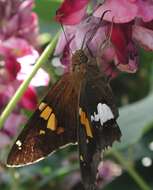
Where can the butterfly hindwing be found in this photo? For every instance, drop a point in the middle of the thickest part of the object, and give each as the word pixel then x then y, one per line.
pixel 98 128
pixel 52 126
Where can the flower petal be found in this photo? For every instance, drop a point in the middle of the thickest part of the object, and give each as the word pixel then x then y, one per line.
pixel 145 10
pixel 12 66
pixel 144 37
pixel 41 78
pixel 16 47
pixel 17 120
pixel 125 48
pixel 121 11
pixel 71 11
pixel 29 99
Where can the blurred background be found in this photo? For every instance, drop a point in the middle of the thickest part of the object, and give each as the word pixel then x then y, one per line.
pixel 127 165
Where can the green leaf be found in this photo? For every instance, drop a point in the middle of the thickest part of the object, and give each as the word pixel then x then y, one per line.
pixel 134 119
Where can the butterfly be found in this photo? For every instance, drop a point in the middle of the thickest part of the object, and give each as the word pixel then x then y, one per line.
pixel 79 108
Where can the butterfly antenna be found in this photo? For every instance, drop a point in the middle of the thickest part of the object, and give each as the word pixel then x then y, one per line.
pixel 97 26
pixel 84 39
pixel 66 37
pixel 106 42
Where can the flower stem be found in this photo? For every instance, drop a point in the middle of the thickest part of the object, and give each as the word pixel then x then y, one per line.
pixel 132 172
pixel 17 96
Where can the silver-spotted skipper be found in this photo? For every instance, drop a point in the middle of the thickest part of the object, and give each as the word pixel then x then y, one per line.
pixel 79 108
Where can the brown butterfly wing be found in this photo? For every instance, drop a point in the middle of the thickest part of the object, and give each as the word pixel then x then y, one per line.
pixel 95 135
pixel 52 126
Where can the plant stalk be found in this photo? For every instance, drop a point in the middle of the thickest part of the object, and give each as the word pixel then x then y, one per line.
pixel 17 96
pixel 131 170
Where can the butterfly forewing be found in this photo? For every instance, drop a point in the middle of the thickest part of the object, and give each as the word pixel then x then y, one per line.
pixel 98 128
pixel 52 126
pixel 79 108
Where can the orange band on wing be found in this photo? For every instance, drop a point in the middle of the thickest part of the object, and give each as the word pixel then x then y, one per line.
pixel 42 105
pixel 52 124
pixel 84 121
pixel 46 113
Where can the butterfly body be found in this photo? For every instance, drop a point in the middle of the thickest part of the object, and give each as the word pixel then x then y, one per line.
pixel 79 109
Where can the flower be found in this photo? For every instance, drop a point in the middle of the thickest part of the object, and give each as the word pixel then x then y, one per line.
pixel 18 20
pixel 18 53
pixel 18 32
pixel 41 78
pixel 125 23
pixel 8 88
pixel 71 11
pixel 107 171
pixel 10 130
pixel 128 18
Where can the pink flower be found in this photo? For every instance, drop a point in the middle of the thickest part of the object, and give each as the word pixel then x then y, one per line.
pixel 18 44
pixel 41 78
pixel 29 99
pixel 12 66
pixel 128 17
pixel 18 20
pixel 17 120
pixel 16 47
pixel 8 88
pixel 10 128
pixel 71 11
pixel 107 171
pixel 124 11
pixel 18 32
pixel 126 22
pixel 125 49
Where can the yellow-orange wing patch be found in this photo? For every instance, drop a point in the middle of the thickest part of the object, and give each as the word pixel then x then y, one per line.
pixel 85 122
pixel 47 114
pixel 52 123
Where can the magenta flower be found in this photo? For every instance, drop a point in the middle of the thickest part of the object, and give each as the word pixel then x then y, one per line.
pixel 18 20
pixel 107 171
pixel 16 118
pixel 18 32
pixel 10 130
pixel 71 11
pixel 18 53
pixel 126 23
pixel 8 88
pixel 27 63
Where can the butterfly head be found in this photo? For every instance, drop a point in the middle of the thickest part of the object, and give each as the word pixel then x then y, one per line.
pixel 79 57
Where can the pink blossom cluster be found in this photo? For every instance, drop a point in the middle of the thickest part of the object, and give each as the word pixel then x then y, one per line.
pixel 18 53
pixel 125 25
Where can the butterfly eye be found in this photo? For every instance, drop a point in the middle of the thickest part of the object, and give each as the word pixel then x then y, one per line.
pixel 79 58
pixel 83 58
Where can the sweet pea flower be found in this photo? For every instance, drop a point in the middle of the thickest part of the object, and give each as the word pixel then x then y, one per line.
pixel 18 53
pixel 16 118
pixel 18 32
pixel 10 130
pixel 8 88
pixel 125 24
pixel 71 11
pixel 41 78
pixel 131 24
pixel 18 20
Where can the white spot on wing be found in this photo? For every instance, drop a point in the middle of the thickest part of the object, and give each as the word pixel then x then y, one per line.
pixel 104 114
pixel 29 163
pixel 19 144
